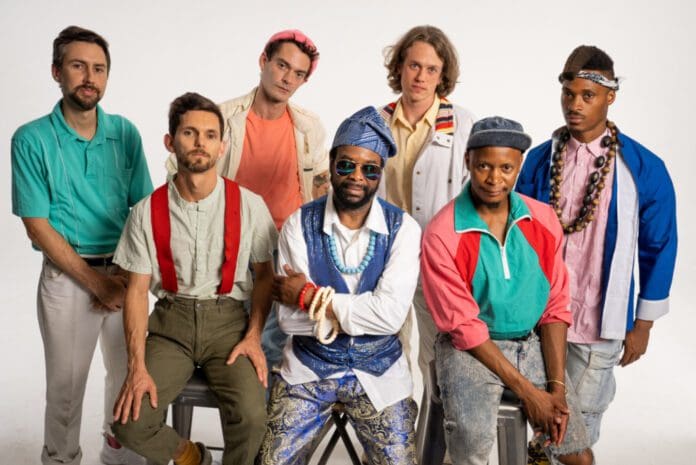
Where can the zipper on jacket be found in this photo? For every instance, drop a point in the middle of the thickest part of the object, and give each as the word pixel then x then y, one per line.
pixel 501 247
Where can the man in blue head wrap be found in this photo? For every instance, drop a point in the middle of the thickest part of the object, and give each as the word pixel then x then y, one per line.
pixel 350 266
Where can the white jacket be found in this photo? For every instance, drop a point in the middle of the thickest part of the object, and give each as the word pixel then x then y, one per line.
pixel 439 172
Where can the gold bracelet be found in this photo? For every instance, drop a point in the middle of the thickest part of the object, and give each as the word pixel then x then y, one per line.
pixel 565 389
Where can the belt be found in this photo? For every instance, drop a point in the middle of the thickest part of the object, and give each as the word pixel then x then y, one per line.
pixel 521 338
pixel 195 303
pixel 99 261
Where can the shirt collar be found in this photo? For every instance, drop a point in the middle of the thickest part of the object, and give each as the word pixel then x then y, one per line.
pixel 375 218
pixel 105 128
pixel 204 204
pixel 466 218
pixel 430 116
pixel 594 147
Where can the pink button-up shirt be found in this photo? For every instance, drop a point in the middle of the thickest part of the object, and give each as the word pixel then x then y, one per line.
pixel 583 251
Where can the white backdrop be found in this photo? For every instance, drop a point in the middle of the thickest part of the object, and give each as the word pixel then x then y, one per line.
pixel 511 53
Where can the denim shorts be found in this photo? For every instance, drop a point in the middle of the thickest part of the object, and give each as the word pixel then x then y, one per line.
pixel 591 370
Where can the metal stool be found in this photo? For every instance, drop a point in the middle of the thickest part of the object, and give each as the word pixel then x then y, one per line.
pixel 338 419
pixel 430 435
pixel 196 393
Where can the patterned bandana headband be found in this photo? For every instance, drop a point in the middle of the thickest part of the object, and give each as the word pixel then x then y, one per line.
pixel 599 79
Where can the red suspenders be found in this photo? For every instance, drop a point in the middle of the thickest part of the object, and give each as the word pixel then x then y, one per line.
pixel 233 234
pixel 162 232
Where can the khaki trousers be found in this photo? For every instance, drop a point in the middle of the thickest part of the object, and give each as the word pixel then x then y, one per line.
pixel 427 334
pixel 183 334
pixel 70 327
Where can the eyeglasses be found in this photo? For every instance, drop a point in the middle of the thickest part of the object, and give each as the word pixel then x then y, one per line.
pixel 370 171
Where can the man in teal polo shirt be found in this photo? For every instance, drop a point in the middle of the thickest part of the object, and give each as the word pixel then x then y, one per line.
pixel 75 174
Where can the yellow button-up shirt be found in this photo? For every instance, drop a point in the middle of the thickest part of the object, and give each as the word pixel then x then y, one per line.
pixel 409 142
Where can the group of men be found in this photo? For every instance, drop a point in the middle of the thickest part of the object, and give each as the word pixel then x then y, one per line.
pixel 520 283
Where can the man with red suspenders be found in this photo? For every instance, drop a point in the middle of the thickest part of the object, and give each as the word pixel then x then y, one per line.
pixel 190 243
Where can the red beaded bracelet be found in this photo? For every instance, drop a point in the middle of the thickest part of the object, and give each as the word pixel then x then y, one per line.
pixel 303 292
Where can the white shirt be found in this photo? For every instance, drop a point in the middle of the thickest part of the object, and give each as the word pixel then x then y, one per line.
pixel 380 312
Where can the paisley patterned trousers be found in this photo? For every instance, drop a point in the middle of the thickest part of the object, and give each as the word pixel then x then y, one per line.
pixel 296 414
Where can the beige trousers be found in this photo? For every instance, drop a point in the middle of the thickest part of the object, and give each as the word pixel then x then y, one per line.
pixel 70 328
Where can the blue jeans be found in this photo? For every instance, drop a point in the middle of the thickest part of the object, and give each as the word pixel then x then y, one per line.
pixel 471 396
pixel 296 414
pixel 273 340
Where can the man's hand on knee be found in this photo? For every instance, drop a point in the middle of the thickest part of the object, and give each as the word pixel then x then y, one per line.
pixel 548 413
pixel 250 347
pixel 137 384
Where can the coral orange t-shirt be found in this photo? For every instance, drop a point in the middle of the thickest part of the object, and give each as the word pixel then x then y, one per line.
pixel 268 165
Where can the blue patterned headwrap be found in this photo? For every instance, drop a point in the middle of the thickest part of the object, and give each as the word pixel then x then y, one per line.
pixel 367 129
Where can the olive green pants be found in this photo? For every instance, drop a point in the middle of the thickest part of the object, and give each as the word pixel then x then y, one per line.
pixel 183 334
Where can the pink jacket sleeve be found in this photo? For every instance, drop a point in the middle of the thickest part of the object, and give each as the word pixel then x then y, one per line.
pixel 447 296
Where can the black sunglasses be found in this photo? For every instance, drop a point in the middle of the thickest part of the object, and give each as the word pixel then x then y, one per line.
pixel 370 171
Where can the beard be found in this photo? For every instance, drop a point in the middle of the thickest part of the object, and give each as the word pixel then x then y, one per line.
pixel 196 165
pixel 85 104
pixel 348 201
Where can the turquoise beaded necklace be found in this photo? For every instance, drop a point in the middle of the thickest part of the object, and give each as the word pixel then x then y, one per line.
pixel 363 264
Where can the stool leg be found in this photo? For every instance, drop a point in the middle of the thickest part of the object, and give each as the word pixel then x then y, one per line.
pixel 438 446
pixel 430 433
pixel 512 436
pixel 324 459
pixel 341 420
pixel 422 428
pixel 320 437
pixel 181 419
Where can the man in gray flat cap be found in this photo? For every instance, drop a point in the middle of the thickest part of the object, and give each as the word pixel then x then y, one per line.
pixel 350 266
pixel 495 282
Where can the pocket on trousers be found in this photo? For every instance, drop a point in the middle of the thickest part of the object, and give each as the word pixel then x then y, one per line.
pixel 53 281
pixel 597 386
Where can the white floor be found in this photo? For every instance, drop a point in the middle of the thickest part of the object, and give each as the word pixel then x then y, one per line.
pixel 651 421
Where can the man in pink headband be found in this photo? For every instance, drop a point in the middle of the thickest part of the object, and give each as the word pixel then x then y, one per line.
pixel 274 148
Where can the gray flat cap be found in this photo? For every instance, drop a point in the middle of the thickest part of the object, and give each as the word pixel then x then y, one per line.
pixel 497 131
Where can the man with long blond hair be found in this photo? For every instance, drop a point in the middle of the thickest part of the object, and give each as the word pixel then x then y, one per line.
pixel 430 133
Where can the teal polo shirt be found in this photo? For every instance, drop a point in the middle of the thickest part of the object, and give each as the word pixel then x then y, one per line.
pixel 84 187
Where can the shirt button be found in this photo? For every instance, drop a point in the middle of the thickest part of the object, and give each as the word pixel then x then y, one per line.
pixel 418 172
pixel 417 209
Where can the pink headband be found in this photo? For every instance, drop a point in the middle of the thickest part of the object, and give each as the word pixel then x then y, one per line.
pixel 299 37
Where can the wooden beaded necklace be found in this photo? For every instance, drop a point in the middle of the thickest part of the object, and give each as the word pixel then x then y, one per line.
pixel 596 181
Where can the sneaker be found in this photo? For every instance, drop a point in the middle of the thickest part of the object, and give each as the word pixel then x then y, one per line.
pixel 536 454
pixel 206 458
pixel 113 453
